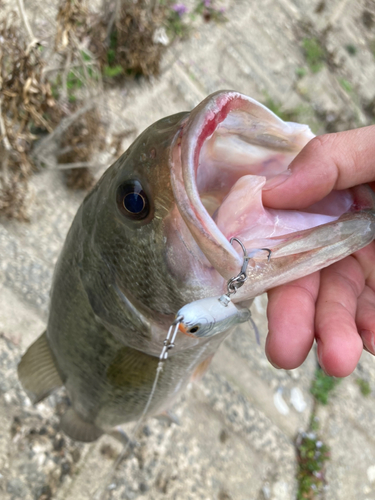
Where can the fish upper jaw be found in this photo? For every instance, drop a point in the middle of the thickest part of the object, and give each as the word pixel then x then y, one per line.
pixel 223 157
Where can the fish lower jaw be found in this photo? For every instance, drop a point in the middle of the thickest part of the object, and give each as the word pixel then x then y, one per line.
pixel 228 153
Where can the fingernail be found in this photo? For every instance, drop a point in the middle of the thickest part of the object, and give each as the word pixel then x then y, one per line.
pixel 368 340
pixel 266 351
pixel 277 180
pixel 272 363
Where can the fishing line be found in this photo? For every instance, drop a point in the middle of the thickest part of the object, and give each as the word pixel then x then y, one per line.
pixel 167 346
pixel 255 328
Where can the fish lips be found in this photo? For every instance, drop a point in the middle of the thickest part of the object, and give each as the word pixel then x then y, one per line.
pixel 268 145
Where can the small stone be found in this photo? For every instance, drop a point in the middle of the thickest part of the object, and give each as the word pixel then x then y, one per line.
pixel 279 402
pixel 223 495
pixel 294 374
pixel 160 36
pixel 108 451
pixel 45 493
pixel 16 487
pixel 297 399
pixel 58 443
pixel 367 19
pixel 16 426
pixel 366 489
pixel 371 473
pixel 224 436
pixel 266 490
pixel 146 431
pixel 162 483
pixel 143 487
pixel 65 468
pixel 76 455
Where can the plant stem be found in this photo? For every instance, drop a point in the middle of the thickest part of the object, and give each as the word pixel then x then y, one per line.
pixel 3 132
pixel 25 21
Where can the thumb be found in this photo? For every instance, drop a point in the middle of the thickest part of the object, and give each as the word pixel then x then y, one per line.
pixel 330 161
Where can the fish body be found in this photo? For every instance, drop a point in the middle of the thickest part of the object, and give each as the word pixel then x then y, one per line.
pixel 153 235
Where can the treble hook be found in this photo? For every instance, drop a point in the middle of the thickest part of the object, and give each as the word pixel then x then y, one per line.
pixel 239 280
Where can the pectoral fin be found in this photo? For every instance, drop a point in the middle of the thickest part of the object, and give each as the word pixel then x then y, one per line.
pixel 37 370
pixel 132 368
pixel 75 427
pixel 201 369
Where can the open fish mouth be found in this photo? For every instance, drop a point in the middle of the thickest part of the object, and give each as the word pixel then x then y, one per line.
pixel 228 151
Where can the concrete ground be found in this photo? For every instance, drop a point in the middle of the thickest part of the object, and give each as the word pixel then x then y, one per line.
pixel 238 426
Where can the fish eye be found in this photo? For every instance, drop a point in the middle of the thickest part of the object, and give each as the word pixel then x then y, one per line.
pixel 194 329
pixel 132 200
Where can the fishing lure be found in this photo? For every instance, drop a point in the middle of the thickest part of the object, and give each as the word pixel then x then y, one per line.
pixel 213 315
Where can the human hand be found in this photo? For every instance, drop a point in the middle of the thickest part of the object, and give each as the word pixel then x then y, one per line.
pixel 336 306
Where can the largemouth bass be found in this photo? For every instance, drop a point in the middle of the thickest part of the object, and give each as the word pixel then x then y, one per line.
pixel 153 235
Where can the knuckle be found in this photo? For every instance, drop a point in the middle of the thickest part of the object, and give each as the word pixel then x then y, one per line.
pixel 348 272
pixel 322 149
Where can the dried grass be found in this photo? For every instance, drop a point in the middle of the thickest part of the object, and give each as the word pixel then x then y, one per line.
pixel 27 110
pixel 84 136
pixel 72 23
pixel 124 43
pixel 117 42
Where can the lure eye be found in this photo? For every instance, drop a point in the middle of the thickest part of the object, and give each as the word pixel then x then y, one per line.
pixel 194 329
pixel 132 200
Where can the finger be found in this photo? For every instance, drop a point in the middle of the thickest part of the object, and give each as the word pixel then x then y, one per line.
pixel 339 345
pixel 366 259
pixel 291 311
pixel 331 161
pixel 365 318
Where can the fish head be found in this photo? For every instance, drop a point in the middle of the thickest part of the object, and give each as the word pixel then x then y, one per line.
pixel 138 260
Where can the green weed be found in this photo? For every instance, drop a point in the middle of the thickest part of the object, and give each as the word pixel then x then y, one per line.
pixel 322 385
pixel 301 72
pixel 314 423
pixel 364 386
pixel 81 76
pixel 176 25
pixel 347 86
pixel 112 71
pixel 74 81
pixel 351 49
pixel 312 455
pixel 314 53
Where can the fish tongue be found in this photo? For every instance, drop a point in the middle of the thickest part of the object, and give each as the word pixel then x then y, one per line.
pixel 242 208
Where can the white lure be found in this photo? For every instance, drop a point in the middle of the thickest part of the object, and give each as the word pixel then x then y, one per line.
pixel 210 316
